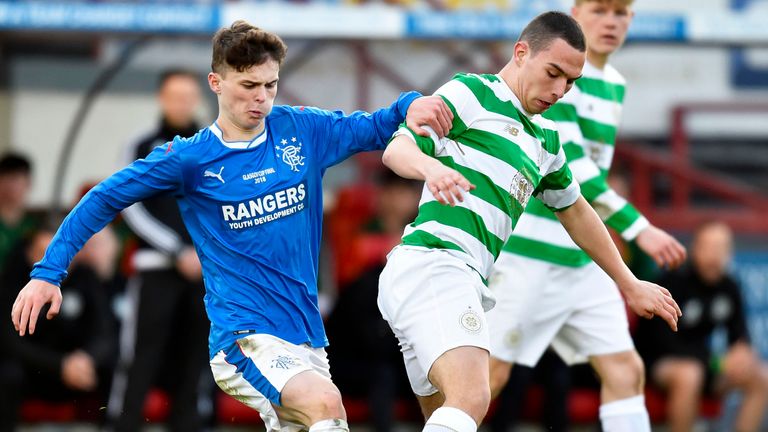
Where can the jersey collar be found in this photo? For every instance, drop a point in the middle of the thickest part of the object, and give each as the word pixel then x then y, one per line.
pixel 512 97
pixel 239 145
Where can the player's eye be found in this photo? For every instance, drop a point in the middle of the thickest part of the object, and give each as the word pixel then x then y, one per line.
pixel 551 74
pixel 272 84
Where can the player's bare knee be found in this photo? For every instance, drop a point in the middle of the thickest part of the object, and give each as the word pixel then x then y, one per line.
pixel 624 373
pixel 473 400
pixel 634 370
pixel 327 404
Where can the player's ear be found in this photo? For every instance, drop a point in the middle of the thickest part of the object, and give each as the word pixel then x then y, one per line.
pixel 520 50
pixel 214 82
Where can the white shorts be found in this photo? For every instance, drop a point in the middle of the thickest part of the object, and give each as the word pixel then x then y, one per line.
pixel 432 300
pixel 255 369
pixel 578 310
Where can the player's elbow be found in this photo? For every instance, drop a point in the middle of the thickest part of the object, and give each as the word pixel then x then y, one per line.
pixel 390 156
pixel 396 152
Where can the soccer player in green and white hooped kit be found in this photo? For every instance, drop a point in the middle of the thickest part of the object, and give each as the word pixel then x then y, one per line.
pixel 550 291
pixel 498 153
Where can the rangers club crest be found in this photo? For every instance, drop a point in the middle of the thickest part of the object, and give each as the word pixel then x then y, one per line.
pixel 284 362
pixel 291 153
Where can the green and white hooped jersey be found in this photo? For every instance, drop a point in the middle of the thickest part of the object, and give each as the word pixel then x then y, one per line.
pixel 506 153
pixel 587 119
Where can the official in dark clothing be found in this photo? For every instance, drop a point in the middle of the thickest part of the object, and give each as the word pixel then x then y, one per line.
pixel 164 337
pixel 68 359
pixel 682 362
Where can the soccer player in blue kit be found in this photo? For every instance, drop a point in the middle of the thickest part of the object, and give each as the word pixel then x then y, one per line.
pixel 249 189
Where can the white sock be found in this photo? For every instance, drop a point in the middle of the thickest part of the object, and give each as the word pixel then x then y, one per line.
pixel 625 415
pixel 330 425
pixel 449 419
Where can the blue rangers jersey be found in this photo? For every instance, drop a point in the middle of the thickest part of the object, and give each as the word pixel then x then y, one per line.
pixel 253 209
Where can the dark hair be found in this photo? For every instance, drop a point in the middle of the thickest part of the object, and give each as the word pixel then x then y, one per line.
pixel 242 45
pixel 175 72
pixel 547 27
pixel 12 163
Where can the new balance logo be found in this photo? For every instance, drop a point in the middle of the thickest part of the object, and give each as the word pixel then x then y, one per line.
pixel 511 130
pixel 209 173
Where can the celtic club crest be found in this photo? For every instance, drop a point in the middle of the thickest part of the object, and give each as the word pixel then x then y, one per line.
pixel 521 189
pixel 291 153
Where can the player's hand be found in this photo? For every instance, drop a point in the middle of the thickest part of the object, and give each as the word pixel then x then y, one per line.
pixel 447 185
pixel 662 247
pixel 648 300
pixel 30 301
pixel 188 264
pixel 78 371
pixel 429 111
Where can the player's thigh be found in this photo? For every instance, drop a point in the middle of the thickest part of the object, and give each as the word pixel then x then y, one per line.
pixel 598 324
pixel 432 302
pixel 257 369
pixel 531 306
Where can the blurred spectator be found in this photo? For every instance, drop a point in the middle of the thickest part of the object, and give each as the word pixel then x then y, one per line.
pixel 683 363
pixel 364 353
pixel 70 358
pixel 15 183
pixel 166 315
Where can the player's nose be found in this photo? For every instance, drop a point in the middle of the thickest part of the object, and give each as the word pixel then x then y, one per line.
pixel 560 86
pixel 260 94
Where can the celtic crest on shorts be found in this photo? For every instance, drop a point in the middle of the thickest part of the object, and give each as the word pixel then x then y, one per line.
pixel 291 153
pixel 471 321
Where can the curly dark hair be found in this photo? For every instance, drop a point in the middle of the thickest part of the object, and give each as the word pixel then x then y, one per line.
pixel 241 46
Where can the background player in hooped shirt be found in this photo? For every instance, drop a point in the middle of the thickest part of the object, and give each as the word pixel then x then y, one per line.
pixel 249 190
pixel 550 291
pixel 497 154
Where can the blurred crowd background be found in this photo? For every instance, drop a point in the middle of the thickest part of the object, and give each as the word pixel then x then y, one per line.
pixel 84 85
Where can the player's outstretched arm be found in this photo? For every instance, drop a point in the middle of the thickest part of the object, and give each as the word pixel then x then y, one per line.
pixel 30 301
pixel 159 172
pixel 662 247
pixel 644 298
pixel 406 159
